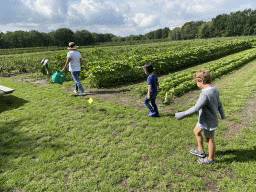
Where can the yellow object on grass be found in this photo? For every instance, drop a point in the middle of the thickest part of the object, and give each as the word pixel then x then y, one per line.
pixel 90 100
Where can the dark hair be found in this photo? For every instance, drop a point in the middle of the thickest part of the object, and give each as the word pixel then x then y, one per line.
pixel 148 68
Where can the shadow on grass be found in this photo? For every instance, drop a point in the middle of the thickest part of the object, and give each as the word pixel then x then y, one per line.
pixel 12 143
pixel 240 155
pixel 18 144
pixel 9 102
pixel 168 115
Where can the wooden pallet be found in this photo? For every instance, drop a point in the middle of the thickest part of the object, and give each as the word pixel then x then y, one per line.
pixel 5 90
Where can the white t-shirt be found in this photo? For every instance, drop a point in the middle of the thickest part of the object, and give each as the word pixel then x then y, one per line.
pixel 74 64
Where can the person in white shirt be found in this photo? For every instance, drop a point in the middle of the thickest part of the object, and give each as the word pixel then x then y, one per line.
pixel 74 58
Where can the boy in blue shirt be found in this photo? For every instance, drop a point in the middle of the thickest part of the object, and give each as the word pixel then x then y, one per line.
pixel 153 89
pixel 208 106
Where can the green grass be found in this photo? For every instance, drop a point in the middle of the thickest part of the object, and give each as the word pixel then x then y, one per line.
pixel 54 141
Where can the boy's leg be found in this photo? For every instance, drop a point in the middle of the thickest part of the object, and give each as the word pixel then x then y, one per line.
pixel 212 149
pixel 146 102
pixel 153 102
pixel 77 81
pixel 73 75
pixel 209 135
pixel 199 138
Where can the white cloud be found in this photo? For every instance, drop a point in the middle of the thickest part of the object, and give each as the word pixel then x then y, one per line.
pixel 200 6
pixel 120 17
pixel 243 7
pixel 94 12
pixel 143 20
pixel 46 11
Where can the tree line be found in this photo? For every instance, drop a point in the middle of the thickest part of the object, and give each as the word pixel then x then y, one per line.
pixel 240 23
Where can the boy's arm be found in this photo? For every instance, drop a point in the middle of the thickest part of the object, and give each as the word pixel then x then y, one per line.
pixel 199 104
pixel 158 86
pixel 149 90
pixel 82 61
pixel 221 110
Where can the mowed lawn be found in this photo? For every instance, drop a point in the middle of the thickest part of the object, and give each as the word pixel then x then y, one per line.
pixel 51 140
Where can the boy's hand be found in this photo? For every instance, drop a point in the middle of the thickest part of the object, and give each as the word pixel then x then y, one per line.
pixel 148 96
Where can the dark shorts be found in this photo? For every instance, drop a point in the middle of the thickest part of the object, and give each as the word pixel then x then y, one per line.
pixel 207 133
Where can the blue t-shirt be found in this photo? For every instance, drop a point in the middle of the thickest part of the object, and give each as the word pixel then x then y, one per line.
pixel 152 80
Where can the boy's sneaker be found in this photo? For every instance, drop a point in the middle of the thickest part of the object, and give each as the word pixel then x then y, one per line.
pixel 82 94
pixel 75 91
pixel 198 153
pixel 205 161
pixel 152 114
pixel 157 115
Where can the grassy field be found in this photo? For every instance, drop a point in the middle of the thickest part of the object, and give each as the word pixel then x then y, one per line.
pixel 52 140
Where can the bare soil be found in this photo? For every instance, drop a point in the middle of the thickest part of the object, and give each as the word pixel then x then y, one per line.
pixel 39 82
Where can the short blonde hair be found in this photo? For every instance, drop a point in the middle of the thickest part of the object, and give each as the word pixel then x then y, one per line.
pixel 203 76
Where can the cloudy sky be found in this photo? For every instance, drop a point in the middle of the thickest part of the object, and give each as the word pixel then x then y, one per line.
pixel 119 17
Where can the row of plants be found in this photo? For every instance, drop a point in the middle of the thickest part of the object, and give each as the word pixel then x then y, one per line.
pixel 26 62
pixel 30 62
pixel 111 73
pixel 28 59
pixel 115 47
pixel 97 57
pixel 179 83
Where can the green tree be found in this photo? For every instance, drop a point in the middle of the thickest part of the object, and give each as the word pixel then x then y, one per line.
pixel 250 24
pixel 158 34
pixel 235 23
pixel 63 36
pixel 175 34
pixel 46 39
pixel 219 25
pixel 16 39
pixel 205 30
pixel 116 39
pixel 108 37
pixel 1 34
pixel 189 30
pixel 83 37
pixel 150 35
pixel 98 37
pixel 165 32
pixel 36 38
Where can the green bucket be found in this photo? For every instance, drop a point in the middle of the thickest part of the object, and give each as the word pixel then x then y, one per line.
pixel 59 77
